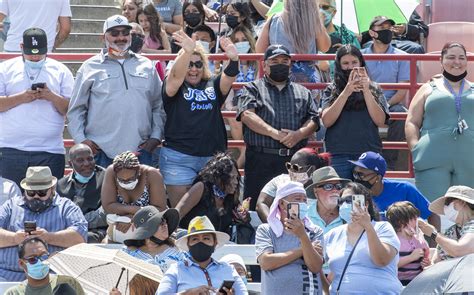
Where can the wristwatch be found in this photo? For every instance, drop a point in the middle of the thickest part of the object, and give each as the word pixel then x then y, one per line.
pixel 434 235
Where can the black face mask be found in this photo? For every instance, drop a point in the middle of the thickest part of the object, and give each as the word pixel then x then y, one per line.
pixel 231 20
pixel 193 19
pixel 157 241
pixel 385 36
pixel 37 205
pixel 201 252
pixel 137 43
pixel 346 74
pixel 454 78
pixel 364 183
pixel 279 72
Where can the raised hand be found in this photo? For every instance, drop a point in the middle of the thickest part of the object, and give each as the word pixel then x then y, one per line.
pixel 183 40
pixel 229 48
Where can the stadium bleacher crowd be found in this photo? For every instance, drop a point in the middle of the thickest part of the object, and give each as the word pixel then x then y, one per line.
pixel 216 146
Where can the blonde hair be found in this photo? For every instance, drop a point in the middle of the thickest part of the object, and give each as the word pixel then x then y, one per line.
pixel 300 20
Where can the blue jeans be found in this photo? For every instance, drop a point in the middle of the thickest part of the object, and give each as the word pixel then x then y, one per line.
pixel 14 163
pixel 340 163
pixel 144 157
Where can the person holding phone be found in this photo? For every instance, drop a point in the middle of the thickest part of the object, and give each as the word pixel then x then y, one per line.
pixel 289 246
pixel 354 108
pixel 363 249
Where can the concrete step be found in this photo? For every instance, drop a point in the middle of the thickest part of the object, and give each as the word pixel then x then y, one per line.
pixel 96 2
pixel 87 26
pixel 94 11
pixel 83 40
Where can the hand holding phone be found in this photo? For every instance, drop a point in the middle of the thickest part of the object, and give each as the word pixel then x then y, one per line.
pixel 29 226
pixel 293 210
pixel 35 86
pixel 227 284
pixel 359 200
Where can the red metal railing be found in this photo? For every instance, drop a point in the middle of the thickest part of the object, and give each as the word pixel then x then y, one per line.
pixel 412 86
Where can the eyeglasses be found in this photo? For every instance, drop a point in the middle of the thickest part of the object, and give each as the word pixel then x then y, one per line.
pixel 294 167
pixel 40 193
pixel 361 176
pixel 347 199
pixel 198 64
pixel 34 259
pixel 330 186
pixel 325 7
pixel 116 33
pixel 125 181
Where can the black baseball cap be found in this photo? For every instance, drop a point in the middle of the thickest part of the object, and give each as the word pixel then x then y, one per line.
pixel 35 41
pixel 276 50
pixel 378 20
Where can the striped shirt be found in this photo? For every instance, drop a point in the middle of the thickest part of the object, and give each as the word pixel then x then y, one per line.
pixel 288 108
pixel 409 271
pixel 164 259
pixel 62 214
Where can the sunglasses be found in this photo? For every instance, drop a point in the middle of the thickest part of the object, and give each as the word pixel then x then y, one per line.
pixel 116 33
pixel 347 199
pixel 331 186
pixel 294 167
pixel 40 193
pixel 125 181
pixel 361 176
pixel 138 35
pixel 325 7
pixel 198 64
pixel 34 259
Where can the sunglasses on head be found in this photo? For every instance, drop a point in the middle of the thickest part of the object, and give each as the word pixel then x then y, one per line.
pixel 116 33
pixel 34 259
pixel 40 193
pixel 331 186
pixel 295 167
pixel 198 64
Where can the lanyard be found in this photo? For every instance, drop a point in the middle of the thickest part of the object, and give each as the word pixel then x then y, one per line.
pixel 457 97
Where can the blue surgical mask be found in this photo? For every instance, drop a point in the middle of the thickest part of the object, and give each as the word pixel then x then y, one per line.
pixel 83 179
pixel 35 65
pixel 303 210
pixel 244 278
pixel 242 47
pixel 345 212
pixel 327 16
pixel 37 271
pixel 205 45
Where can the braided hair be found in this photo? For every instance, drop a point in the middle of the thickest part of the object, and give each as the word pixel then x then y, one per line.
pixel 126 160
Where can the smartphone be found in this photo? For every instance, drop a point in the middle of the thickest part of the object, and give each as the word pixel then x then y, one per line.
pixel 35 86
pixel 228 284
pixel 293 209
pixel 29 226
pixel 358 199
pixel 356 73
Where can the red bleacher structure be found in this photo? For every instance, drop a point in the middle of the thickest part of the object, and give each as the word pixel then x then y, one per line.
pixel 440 33
pixel 450 10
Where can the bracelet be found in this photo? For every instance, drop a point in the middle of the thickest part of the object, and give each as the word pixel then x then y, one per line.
pixel 232 68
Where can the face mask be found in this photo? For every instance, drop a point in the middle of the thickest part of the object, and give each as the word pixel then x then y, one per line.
pixel 83 179
pixel 218 192
pixel 35 65
pixel 115 50
pixel 37 271
pixel 327 17
pixel 385 36
pixel 301 177
pixel 201 252
pixel 244 278
pixel 242 47
pixel 454 78
pixel 156 240
pixel 192 19
pixel 128 186
pixel 450 212
pixel 231 20
pixel 345 212
pixel 279 72
pixel 303 210
pixel 205 45
pixel 37 205
pixel 365 183
pixel 137 43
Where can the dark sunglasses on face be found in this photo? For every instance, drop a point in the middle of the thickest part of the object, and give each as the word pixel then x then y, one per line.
pixel 330 186
pixel 116 33
pixel 295 167
pixel 361 176
pixel 34 259
pixel 325 7
pixel 138 35
pixel 346 199
pixel 198 64
pixel 40 193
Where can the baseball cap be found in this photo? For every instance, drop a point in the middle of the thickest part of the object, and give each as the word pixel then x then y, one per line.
pixel 276 50
pixel 116 21
pixel 35 42
pixel 378 20
pixel 372 161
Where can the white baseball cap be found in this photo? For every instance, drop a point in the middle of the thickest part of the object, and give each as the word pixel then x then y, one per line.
pixel 116 21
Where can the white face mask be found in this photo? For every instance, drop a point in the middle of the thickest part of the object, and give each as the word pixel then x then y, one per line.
pixel 242 47
pixel 450 212
pixel 128 186
pixel 205 45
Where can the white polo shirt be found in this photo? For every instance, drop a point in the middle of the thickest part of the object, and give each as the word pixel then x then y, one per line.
pixel 37 125
pixel 25 14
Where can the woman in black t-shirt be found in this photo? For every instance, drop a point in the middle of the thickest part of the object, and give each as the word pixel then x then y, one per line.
pixel 194 129
pixel 353 109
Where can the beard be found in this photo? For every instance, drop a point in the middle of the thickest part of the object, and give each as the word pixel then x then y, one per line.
pixel 116 49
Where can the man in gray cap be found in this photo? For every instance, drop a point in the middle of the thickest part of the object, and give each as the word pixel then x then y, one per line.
pixel 116 105
pixel 41 213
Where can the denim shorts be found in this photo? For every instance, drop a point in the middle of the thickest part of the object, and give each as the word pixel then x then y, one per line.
pixel 178 168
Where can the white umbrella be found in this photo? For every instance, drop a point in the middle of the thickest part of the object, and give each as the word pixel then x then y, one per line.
pixel 98 267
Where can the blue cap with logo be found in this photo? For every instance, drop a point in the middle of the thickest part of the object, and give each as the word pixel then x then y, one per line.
pixel 372 161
